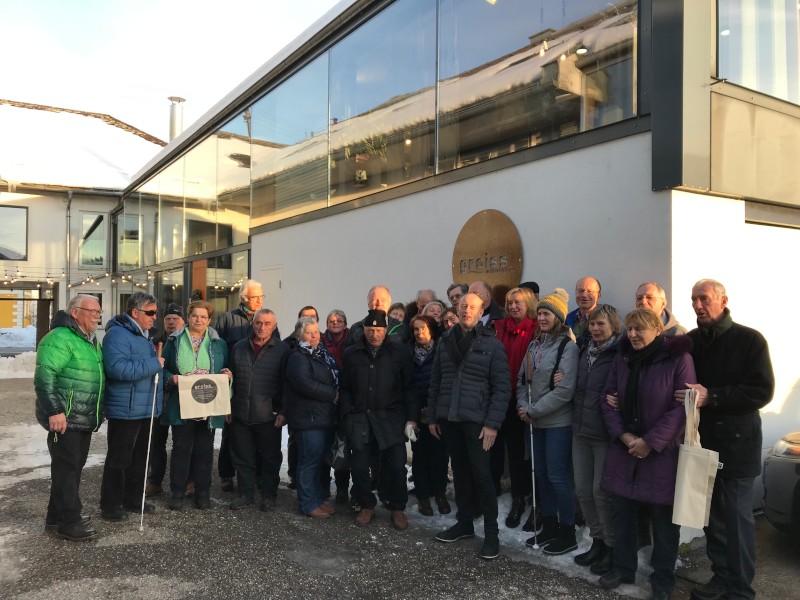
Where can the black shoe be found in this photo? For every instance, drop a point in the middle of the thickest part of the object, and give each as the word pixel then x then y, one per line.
pixel 226 484
pixel 491 547
pixel 149 508
pixel 714 589
pixel 612 580
pixel 202 500
pixel 515 514
pixel 660 595
pixel 457 532
pixel 587 559
pixel 565 542
pixel 268 503
pixel 51 524
pixel 548 533
pixel 342 496
pixel 292 485
pixel 115 516
pixel 605 563
pixel 175 503
pixel 534 522
pixel 241 502
pixel 77 532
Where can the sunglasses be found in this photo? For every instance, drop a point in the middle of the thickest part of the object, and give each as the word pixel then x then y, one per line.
pixel 149 313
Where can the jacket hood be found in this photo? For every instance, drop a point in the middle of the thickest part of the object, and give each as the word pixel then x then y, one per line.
pixel 63 319
pixel 674 345
pixel 123 321
pixel 212 333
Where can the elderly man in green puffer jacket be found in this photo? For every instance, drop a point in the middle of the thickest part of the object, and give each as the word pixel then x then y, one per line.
pixel 69 393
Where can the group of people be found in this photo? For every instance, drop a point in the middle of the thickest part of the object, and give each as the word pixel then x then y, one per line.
pixel 593 399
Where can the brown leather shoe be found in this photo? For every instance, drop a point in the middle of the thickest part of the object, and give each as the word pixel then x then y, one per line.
pixel 399 520
pixel 319 513
pixel 442 504
pixel 151 489
pixel 329 508
pixel 365 516
pixel 424 505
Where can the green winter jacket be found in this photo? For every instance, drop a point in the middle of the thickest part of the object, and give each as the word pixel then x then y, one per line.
pixel 69 378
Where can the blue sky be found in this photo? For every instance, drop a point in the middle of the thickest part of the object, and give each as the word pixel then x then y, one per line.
pixel 126 57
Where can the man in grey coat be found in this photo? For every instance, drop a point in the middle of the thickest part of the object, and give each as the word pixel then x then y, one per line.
pixel 468 399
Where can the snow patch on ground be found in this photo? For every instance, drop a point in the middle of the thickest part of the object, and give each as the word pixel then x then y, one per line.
pixel 20 366
pixel 18 337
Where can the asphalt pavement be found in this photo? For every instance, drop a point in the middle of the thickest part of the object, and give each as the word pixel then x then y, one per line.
pixel 219 553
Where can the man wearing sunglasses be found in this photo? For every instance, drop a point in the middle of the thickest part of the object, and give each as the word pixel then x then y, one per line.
pixel 131 364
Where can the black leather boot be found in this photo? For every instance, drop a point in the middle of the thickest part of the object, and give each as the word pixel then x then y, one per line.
pixel 516 512
pixel 587 559
pixel 565 542
pixel 604 563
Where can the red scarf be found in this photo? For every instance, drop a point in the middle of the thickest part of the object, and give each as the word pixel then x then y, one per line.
pixel 515 338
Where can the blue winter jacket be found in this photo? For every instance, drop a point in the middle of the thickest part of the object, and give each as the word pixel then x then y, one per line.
pixel 131 364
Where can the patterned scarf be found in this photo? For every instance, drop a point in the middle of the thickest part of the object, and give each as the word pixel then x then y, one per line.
pixel 321 352
pixel 421 354
pixel 593 351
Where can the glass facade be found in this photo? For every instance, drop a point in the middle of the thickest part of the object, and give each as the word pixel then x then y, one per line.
pixel 93 241
pixel 759 46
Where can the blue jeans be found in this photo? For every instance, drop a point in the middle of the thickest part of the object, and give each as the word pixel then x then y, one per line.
pixel 311 447
pixel 552 457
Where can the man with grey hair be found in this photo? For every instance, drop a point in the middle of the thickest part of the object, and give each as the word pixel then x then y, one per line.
pixel 492 311
pixel 735 380
pixel 133 399
pixel 651 295
pixel 256 419
pixel 233 326
pixel 69 392
pixel 454 293
pixel 379 298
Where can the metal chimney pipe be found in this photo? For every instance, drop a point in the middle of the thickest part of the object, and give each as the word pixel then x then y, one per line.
pixel 175 116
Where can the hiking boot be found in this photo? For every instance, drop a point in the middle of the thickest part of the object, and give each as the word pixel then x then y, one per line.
pixel 399 520
pixel 77 532
pixel 241 502
pixel 491 547
pixel 457 532
pixel 442 505
pixel 151 489
pixel 424 506
pixel 587 559
pixel 564 542
pixel 515 514
pixel 365 516
pixel 175 503
pixel 604 563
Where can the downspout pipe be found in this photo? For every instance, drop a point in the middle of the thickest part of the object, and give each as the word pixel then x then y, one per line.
pixel 68 269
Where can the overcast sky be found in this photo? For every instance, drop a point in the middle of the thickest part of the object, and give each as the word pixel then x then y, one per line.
pixel 125 57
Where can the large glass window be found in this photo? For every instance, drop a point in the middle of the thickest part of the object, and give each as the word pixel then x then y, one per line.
pixel 290 146
pixel 14 233
pixel 93 241
pixel 383 99
pixel 759 46
pixel 200 198
pixel 170 212
pixel 233 181
pixel 518 73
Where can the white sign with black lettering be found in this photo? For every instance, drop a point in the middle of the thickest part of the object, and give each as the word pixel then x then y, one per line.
pixel 204 396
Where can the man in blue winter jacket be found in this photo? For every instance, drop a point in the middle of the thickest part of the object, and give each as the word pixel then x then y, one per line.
pixel 131 364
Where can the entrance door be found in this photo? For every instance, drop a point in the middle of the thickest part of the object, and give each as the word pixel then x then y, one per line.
pixel 270 277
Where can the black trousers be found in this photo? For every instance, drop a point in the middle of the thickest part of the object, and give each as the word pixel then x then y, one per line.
pixel 225 467
pixel 511 437
pixel 124 471
pixel 730 535
pixel 472 473
pixel 429 466
pixel 68 452
pixel 192 457
pixel 393 474
pixel 248 442
pixel 158 454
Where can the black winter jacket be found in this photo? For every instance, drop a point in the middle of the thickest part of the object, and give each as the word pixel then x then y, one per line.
pixel 309 392
pixel 587 417
pixel 475 390
pixel 733 362
pixel 421 384
pixel 257 380
pixel 376 392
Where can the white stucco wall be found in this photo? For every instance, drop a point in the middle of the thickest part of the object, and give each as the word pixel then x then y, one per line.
pixel 589 212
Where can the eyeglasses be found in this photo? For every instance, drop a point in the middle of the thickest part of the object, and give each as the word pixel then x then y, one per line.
pixel 149 313
pixel 93 311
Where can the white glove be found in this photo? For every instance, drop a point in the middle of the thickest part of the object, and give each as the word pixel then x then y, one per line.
pixel 411 432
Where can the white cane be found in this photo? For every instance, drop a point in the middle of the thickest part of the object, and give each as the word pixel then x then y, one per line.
pixel 533 467
pixel 149 442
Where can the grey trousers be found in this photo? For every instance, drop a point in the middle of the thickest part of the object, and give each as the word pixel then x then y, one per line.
pixel 588 458
pixel 731 535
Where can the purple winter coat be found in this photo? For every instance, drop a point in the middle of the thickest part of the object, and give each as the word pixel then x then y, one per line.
pixel 650 479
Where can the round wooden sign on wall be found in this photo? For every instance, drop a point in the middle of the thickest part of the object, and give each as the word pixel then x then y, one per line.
pixel 489 248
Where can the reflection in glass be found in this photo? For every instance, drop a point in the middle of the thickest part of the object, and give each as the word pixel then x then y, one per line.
pixel 542 71
pixel 13 233
pixel 170 212
pixel 290 145
pixel 200 198
pixel 93 241
pixel 169 289
pixel 759 46
pixel 383 98
pixel 128 241
pixel 233 181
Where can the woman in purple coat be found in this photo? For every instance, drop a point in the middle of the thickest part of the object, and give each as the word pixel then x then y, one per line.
pixel 646 424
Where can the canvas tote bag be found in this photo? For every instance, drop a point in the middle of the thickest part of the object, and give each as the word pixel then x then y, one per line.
pixel 697 470
pixel 204 396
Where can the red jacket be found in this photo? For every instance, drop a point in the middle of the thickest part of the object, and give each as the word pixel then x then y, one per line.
pixel 515 339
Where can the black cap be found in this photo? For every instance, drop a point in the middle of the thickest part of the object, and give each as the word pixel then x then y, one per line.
pixel 375 318
pixel 174 309
pixel 531 285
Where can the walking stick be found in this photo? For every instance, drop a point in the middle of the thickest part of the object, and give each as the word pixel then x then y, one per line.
pixel 533 467
pixel 149 441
